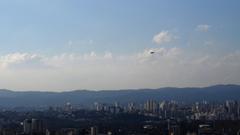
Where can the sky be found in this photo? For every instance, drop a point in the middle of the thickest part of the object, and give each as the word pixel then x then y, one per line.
pixel 63 45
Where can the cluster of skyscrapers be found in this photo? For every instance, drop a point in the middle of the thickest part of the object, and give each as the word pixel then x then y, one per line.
pixel 229 110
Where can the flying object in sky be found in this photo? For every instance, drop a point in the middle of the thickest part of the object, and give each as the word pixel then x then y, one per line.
pixel 152 52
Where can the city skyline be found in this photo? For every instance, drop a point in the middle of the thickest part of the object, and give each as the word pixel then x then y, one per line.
pixel 68 45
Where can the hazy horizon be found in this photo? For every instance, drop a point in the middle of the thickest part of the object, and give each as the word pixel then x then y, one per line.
pixel 99 90
pixel 69 45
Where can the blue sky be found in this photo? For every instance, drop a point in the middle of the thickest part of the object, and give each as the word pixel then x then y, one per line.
pixel 29 28
pixel 118 26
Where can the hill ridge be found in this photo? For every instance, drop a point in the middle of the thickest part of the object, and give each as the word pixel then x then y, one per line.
pixel 85 97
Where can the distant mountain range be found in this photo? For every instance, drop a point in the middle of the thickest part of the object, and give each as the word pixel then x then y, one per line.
pixel 10 98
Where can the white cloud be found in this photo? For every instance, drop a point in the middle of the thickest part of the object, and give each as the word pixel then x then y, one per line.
pixel 93 54
pixel 19 59
pixel 108 55
pixel 203 28
pixel 164 67
pixel 163 37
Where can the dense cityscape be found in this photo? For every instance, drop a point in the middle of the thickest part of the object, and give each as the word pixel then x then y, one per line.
pixel 119 67
pixel 149 118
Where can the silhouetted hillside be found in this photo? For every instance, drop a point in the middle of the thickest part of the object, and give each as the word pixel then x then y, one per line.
pixel 85 97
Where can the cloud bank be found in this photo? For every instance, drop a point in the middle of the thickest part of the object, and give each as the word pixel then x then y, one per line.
pixel 165 67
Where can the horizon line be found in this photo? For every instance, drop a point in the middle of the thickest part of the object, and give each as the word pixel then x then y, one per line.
pixel 101 90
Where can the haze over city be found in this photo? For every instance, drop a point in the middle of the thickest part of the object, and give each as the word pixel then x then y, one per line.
pixel 61 45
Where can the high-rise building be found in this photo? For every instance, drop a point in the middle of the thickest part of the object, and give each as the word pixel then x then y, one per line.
pixel 151 106
pixel 37 126
pixel 94 131
pixel 68 107
pixel 27 126
pixel 131 107
pixel 33 126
